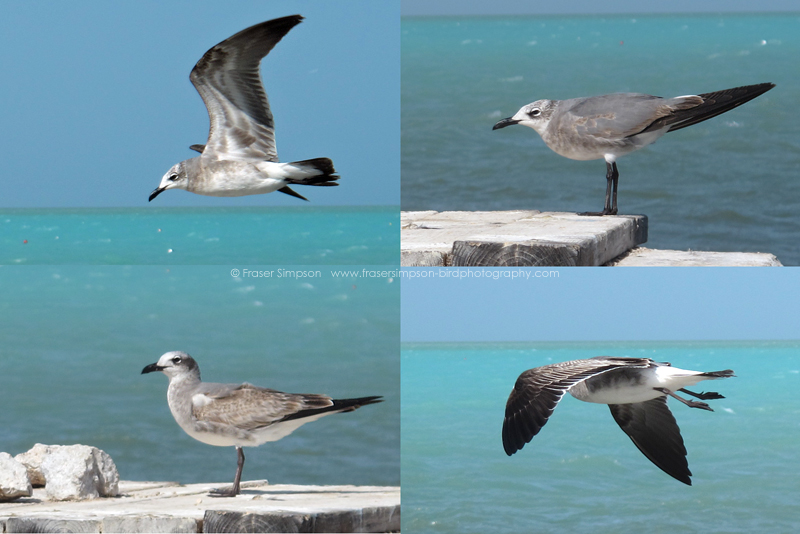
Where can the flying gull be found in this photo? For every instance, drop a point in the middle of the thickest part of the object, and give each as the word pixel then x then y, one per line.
pixel 611 126
pixel 635 390
pixel 240 157
pixel 233 415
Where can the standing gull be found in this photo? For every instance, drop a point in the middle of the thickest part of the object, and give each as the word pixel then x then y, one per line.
pixel 611 126
pixel 635 390
pixel 240 157
pixel 233 415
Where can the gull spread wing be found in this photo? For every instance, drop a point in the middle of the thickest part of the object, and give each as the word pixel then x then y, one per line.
pixel 652 428
pixel 248 407
pixel 538 391
pixel 227 78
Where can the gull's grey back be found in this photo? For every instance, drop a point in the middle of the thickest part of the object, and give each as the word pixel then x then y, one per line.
pixel 617 115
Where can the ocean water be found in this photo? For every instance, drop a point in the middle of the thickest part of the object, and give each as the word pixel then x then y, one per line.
pixel 581 473
pixel 201 236
pixel 76 338
pixel 727 184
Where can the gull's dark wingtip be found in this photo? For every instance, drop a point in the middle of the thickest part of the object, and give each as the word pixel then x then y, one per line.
pixel 284 24
pixel 508 447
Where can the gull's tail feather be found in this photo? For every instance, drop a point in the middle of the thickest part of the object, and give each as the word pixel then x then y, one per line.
pixel 317 171
pixel 727 373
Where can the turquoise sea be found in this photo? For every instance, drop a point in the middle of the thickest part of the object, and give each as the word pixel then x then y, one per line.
pixel 76 338
pixel 201 236
pixel 727 184
pixel 581 473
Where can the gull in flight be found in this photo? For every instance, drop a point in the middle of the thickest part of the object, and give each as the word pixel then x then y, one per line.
pixel 240 157
pixel 239 415
pixel 611 126
pixel 636 391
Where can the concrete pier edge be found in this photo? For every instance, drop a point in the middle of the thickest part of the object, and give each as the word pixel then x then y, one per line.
pixel 171 507
pixel 530 238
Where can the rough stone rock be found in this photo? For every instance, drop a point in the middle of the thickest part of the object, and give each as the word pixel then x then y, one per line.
pixel 77 472
pixel 32 460
pixel 14 481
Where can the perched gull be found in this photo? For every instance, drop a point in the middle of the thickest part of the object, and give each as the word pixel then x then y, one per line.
pixel 611 126
pixel 240 157
pixel 232 415
pixel 635 390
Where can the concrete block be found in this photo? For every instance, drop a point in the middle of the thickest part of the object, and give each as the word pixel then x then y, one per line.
pixel 232 521
pixel 366 520
pixel 517 238
pixel 531 253
pixel 78 472
pixel 14 481
pixel 149 523
pixel 47 524
pixel 170 507
pixel 427 237
pixel 33 461
pixel 424 258
pixel 645 257
pixel 382 519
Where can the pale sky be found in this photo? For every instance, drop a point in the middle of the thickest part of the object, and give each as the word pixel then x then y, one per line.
pixel 582 7
pixel 603 304
pixel 97 102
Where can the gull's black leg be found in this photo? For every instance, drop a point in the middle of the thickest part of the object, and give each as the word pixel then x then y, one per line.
pixel 234 490
pixel 689 403
pixel 609 182
pixel 239 469
pixel 612 171
pixel 703 395
pixel 612 179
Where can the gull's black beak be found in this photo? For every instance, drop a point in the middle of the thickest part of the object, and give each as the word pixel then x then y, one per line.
pixel 500 124
pixel 153 367
pixel 157 192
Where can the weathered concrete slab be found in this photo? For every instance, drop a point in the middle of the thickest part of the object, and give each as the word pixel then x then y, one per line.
pixel 516 238
pixel 169 507
pixel 44 524
pixel 427 237
pixel 150 523
pixel 367 520
pixel 641 256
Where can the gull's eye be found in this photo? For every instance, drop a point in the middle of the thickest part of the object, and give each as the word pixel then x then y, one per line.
pixel 176 360
pixel 173 177
pixel 535 112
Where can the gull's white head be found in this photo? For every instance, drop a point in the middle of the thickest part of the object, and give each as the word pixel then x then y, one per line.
pixel 176 178
pixel 174 364
pixel 535 115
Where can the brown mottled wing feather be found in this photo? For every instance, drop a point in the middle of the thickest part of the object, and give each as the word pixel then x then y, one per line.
pixel 234 406
pixel 228 79
pixel 538 391
pixel 653 429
